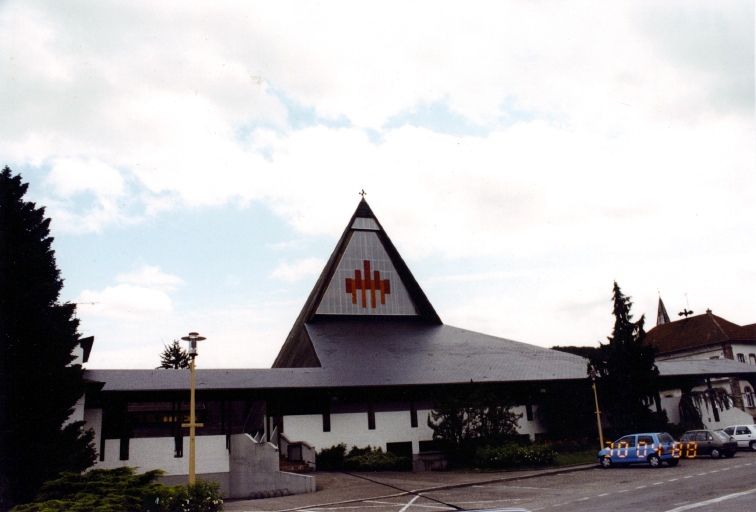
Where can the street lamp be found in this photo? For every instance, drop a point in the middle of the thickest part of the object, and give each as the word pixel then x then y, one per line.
pixel 193 338
pixel 598 412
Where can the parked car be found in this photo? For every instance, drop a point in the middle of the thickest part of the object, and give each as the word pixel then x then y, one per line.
pixel 745 435
pixel 652 448
pixel 707 442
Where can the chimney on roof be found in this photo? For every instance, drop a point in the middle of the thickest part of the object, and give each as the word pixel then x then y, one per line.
pixel 708 311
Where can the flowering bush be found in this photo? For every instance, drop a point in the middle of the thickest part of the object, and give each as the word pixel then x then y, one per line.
pixel 202 496
pixel 512 456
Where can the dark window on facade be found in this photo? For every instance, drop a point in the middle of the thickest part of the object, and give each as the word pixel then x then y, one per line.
pixel 124 451
pixel 430 446
pixel 741 358
pixel 371 417
pixel 403 449
pixel 413 415
pixel 178 446
pixel 529 412
pixel 294 452
pixel 327 421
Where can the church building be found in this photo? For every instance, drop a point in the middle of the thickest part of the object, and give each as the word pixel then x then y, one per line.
pixel 361 366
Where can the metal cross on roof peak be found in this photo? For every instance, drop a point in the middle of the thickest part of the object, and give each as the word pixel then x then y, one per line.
pixel 363 193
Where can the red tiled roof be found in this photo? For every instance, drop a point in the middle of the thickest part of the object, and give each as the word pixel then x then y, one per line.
pixel 698 331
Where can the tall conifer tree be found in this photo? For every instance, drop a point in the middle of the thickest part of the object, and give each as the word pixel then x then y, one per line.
pixel 38 385
pixel 174 357
pixel 629 378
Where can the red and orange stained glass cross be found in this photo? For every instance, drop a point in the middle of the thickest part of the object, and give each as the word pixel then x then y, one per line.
pixel 374 285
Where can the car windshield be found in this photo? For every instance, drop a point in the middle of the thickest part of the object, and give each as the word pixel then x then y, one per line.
pixel 665 438
pixel 721 435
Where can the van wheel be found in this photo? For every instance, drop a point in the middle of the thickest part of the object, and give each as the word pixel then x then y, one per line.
pixel 752 446
pixel 653 461
pixel 715 453
pixel 606 462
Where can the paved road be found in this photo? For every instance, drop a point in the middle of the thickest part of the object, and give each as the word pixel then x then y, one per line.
pixel 722 485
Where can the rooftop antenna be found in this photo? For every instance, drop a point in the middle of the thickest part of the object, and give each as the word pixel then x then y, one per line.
pixel 685 312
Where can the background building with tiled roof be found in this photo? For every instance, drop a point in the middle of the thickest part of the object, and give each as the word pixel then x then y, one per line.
pixel 708 336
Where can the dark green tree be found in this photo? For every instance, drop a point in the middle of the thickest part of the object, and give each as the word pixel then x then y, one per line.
pixel 628 379
pixel 469 417
pixel 39 386
pixel 174 357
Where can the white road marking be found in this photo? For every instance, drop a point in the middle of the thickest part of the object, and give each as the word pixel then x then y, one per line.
pixel 712 501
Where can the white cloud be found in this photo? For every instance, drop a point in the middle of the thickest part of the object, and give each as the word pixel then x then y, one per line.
pixel 70 176
pixel 608 143
pixel 299 270
pixel 125 301
pixel 151 277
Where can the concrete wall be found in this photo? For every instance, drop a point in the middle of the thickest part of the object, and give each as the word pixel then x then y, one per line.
pixel 254 471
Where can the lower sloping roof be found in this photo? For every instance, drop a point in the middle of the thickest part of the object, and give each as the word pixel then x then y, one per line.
pixel 408 350
pixel 498 361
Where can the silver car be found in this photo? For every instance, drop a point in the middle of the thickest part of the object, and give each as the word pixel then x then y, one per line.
pixel 745 435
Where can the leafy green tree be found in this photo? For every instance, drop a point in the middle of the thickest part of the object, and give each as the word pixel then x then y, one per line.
pixel 174 357
pixel 39 386
pixel 628 381
pixel 466 418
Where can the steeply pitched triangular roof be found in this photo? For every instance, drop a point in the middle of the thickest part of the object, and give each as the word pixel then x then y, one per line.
pixel 365 276
pixel 661 314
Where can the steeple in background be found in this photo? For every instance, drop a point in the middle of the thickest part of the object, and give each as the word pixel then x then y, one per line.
pixel 661 314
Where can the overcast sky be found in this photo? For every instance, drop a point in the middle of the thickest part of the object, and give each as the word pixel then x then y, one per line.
pixel 200 160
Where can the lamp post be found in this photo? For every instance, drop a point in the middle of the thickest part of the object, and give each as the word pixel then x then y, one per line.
pixel 193 338
pixel 598 412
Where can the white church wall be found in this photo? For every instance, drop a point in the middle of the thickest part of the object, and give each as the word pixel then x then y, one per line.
pixel 670 402
pixel 391 426
pixel 351 428
pixel 528 424
pixel 150 453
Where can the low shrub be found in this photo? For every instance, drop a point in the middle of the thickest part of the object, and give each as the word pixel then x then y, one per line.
pixel 514 456
pixel 377 460
pixel 570 445
pixel 368 458
pixel 122 490
pixel 331 459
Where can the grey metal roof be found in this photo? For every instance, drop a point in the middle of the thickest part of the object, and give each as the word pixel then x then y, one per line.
pixel 408 351
pixel 453 361
pixel 209 379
